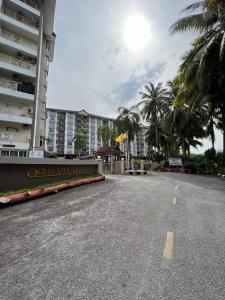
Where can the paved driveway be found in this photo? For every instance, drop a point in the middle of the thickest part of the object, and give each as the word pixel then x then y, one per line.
pixel 156 237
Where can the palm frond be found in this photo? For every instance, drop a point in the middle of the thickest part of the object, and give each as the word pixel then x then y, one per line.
pixel 193 7
pixel 222 48
pixel 195 22
pixel 206 52
pixel 145 95
pixel 211 4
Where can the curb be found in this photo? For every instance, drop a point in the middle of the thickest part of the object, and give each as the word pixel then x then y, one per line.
pixel 25 196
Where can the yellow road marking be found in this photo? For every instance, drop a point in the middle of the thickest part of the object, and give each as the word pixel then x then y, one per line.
pixel 174 200
pixel 168 250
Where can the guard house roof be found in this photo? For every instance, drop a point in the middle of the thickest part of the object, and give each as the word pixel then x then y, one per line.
pixel 109 150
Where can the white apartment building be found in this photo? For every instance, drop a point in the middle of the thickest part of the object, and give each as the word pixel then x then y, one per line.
pixel 26 48
pixel 138 147
pixel 63 125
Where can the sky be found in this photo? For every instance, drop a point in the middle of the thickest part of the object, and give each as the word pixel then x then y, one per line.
pixel 93 68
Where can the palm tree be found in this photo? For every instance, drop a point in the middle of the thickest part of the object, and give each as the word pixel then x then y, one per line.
pixel 107 135
pixel 188 126
pixel 104 134
pixel 210 130
pixel 128 122
pixel 157 141
pixel 153 106
pixel 203 66
pixel 80 142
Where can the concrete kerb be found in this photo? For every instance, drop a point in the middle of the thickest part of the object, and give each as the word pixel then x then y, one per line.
pixel 30 195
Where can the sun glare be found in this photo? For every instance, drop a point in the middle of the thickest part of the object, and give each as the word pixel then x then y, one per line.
pixel 137 32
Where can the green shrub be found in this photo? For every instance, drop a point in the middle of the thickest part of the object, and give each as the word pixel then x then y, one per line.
pixel 210 155
pixel 52 155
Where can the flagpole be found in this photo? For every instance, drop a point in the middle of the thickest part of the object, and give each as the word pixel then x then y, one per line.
pixel 128 155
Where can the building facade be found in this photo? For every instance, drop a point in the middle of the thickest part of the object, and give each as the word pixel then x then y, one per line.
pixel 63 125
pixel 138 147
pixel 26 49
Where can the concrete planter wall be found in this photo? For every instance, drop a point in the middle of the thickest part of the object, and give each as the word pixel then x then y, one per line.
pixel 17 173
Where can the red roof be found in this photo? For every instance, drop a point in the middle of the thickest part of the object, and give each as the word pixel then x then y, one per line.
pixel 108 150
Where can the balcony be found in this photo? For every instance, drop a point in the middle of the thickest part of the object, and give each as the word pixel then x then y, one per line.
pixel 16 42
pixel 32 3
pixel 17 65
pixel 20 23
pixel 28 5
pixel 14 89
pixel 14 140
pixel 6 137
pixel 19 118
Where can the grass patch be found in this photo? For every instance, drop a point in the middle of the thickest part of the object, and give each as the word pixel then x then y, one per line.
pixel 36 187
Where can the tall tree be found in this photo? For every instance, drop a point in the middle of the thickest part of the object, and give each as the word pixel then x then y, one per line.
pixel 203 66
pixel 128 122
pixel 153 106
pixel 107 135
pixel 80 142
pixel 188 126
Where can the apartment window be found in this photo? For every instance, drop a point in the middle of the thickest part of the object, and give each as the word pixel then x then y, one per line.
pixel 4 153
pixel 43 106
pixel 46 74
pixel 42 140
pixel 44 91
pixel 42 124
pixel 47 45
pixel 13 153
pixel 46 60
pixel 22 154
pixel 12 129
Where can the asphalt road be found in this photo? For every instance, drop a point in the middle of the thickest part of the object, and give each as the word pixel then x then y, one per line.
pixel 160 236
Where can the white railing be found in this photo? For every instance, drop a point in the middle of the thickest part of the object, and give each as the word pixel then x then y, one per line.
pixel 13 138
pixel 27 113
pixel 5 136
pixel 31 3
pixel 18 39
pixel 17 62
pixel 17 86
pixel 19 17
pixel 8 84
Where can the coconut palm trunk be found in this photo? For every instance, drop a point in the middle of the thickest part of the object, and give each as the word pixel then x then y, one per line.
pixel 223 123
pixel 183 147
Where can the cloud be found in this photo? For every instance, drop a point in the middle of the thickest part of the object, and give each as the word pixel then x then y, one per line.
pixel 91 61
pixel 130 89
pixel 92 68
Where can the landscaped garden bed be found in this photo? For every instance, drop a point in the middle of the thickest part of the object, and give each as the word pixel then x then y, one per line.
pixel 30 193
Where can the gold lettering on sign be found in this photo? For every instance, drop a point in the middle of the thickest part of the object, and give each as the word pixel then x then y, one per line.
pixel 54 172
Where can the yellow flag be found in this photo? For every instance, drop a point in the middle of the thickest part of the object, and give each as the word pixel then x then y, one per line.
pixel 121 138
